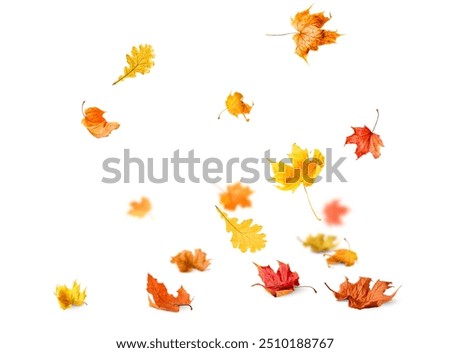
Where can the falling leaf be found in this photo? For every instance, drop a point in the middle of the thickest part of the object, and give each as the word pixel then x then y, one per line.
pixel 320 242
pixel 366 140
pixel 236 195
pixel 162 300
pixel 140 61
pixel 278 283
pixel 245 235
pixel 235 105
pixel 96 124
pixel 359 294
pixel 342 256
pixel 68 297
pixel 187 261
pixel 140 209
pixel 310 34
pixel 333 212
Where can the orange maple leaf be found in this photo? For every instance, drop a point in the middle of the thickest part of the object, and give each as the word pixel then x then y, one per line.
pixel 333 211
pixel 278 283
pixel 366 140
pixel 310 34
pixel 187 261
pixel 342 256
pixel 161 299
pixel 235 105
pixel 236 195
pixel 96 124
pixel 140 209
pixel 359 294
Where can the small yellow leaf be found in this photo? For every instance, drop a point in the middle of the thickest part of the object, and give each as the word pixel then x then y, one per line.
pixel 235 105
pixel 68 297
pixel 140 61
pixel 140 209
pixel 343 256
pixel 245 235
pixel 320 242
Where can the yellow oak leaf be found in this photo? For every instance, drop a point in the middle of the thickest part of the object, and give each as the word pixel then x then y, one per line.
pixel 140 209
pixel 139 61
pixel 245 235
pixel 320 242
pixel 235 105
pixel 342 256
pixel 68 297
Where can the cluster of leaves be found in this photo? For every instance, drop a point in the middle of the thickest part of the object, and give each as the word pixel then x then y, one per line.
pixel 302 169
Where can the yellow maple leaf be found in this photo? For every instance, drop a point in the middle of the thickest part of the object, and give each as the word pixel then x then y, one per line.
pixel 320 242
pixel 140 61
pixel 68 297
pixel 342 256
pixel 141 208
pixel 245 235
pixel 235 105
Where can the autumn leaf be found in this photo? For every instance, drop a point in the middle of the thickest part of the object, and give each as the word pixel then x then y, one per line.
pixel 141 208
pixel 160 299
pixel 366 140
pixel 235 105
pixel 96 124
pixel 187 261
pixel 302 169
pixel 236 195
pixel 342 256
pixel 278 283
pixel 320 242
pixel 310 34
pixel 68 297
pixel 245 235
pixel 139 61
pixel 333 211
pixel 361 296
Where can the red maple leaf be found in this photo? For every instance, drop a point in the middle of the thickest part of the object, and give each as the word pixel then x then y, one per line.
pixel 366 141
pixel 333 212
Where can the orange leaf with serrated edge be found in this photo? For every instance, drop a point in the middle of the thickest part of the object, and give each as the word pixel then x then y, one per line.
pixel 96 124
pixel 187 261
pixel 342 256
pixel 333 212
pixel 161 299
pixel 236 106
pixel 361 296
pixel 366 140
pixel 141 208
pixel 236 195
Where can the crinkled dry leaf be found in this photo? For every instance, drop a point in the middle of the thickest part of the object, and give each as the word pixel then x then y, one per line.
pixel 359 294
pixel 141 208
pixel 366 140
pixel 320 242
pixel 302 170
pixel 310 33
pixel 342 256
pixel 278 283
pixel 245 235
pixel 235 105
pixel 140 61
pixel 236 195
pixel 333 211
pixel 161 299
pixel 68 297
pixel 96 124
pixel 187 261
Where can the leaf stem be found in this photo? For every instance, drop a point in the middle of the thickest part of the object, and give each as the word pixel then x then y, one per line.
pixel 82 108
pixel 309 287
pixel 279 34
pixel 376 122
pixel 329 287
pixel 221 113
pixel 310 205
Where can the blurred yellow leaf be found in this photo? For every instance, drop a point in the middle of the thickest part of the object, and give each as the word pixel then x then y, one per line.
pixel 320 242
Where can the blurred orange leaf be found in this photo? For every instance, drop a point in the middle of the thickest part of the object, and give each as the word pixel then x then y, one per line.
pixel 161 299
pixel 333 212
pixel 187 261
pixel 96 124
pixel 140 209
pixel 236 195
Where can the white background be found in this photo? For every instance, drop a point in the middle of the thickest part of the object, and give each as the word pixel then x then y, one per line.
pixel 60 223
